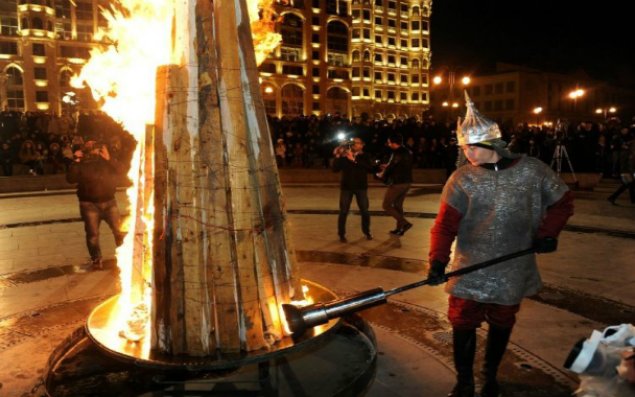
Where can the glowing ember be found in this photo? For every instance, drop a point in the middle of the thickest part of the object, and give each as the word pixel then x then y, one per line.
pixel 121 76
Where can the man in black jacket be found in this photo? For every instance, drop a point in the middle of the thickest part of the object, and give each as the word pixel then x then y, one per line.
pixel 96 175
pixel 397 174
pixel 355 166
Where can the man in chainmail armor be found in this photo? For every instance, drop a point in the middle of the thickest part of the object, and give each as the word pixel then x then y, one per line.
pixel 495 203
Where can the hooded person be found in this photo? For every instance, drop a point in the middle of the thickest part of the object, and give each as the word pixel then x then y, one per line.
pixel 495 203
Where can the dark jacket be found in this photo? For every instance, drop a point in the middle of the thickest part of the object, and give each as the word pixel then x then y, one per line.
pixel 399 168
pixel 96 178
pixel 354 174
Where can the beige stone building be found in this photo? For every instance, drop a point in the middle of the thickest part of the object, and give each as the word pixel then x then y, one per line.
pixel 335 56
pixel 42 44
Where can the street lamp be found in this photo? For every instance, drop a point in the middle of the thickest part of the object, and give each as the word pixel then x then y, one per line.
pixel 537 110
pixel 451 81
pixel 606 111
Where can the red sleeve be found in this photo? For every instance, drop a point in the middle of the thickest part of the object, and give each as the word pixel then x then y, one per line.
pixel 442 234
pixel 557 216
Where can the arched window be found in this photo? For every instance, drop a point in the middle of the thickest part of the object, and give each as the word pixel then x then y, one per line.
pixel 367 56
pixel 291 31
pixel 415 10
pixel 337 37
pixel 415 64
pixel 337 101
pixel 14 76
pixel 292 100
pixel 24 23
pixel 15 89
pixel 355 56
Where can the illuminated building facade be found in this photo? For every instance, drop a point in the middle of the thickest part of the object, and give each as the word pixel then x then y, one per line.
pixel 42 44
pixel 390 57
pixel 336 56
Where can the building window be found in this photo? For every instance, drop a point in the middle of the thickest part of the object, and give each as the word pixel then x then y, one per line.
pixel 391 77
pixel 74 52
pixel 392 5
pixel 315 89
pixel 415 25
pixel 315 105
pixel 487 105
pixel 379 58
pixel 403 78
pixel 378 77
pixel 316 71
pixel 367 34
pixel 498 88
pixel 8 26
pixel 366 14
pixel 355 91
pixel 391 59
pixel 415 96
pixel 378 94
pixel 315 21
pixel 509 104
pixel 366 72
pixel 498 105
pixel 403 25
pixel 8 47
pixel 379 40
pixel 85 32
pixel 392 23
pixel 391 94
pixel 315 3
pixel 366 92
pixel 84 11
pixel 415 63
pixel 511 86
pixel 489 89
pixel 292 70
pixel 424 43
pixel 403 61
pixel 315 55
pixel 36 23
pixel 356 34
pixel 424 96
pixel 379 3
pixel 414 78
pixel 38 49
pixel 476 90
pixel 424 26
pixel 41 96
pixel 415 43
pixel 15 99
pixel 291 31
pixel 356 72
pixel 403 43
pixel 424 78
pixel 391 41
pixel 315 38
pixel 403 96
pixel 378 21
pixel 40 73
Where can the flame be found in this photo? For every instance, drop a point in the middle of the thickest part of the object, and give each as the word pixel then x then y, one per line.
pixel 263 23
pixel 121 75
pixel 308 300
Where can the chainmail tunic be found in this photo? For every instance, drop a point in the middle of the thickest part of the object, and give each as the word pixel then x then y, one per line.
pixel 501 212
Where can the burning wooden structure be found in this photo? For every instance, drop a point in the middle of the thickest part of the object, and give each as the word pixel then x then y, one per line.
pixel 210 258
pixel 222 259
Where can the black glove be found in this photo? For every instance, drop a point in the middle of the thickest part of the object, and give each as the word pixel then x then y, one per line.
pixel 544 245
pixel 436 275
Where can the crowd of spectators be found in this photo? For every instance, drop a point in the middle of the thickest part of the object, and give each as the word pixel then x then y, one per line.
pixel 39 143
pixel 588 146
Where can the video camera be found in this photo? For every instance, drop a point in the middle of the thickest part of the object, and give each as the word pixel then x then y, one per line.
pixel 345 142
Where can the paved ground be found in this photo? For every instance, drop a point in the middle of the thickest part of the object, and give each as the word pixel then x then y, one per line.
pixel 45 294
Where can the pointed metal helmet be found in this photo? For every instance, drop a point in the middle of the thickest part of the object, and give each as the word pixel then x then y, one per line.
pixel 475 127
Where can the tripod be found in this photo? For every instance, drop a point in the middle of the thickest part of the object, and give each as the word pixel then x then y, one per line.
pixel 558 154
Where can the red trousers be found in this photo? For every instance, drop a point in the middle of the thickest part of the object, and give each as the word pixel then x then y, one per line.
pixel 468 314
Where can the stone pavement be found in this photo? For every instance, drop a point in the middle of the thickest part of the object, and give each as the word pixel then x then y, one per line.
pixel 45 294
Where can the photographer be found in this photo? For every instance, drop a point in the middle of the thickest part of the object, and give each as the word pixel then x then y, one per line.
pixel 96 175
pixel 355 165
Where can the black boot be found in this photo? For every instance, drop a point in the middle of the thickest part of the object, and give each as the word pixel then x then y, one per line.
pixel 464 347
pixel 497 339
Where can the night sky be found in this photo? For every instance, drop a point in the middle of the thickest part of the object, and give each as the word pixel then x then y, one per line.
pixel 555 35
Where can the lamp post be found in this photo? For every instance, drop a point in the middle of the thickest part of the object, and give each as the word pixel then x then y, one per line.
pixel 537 110
pixel 606 111
pixel 575 94
pixel 451 76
